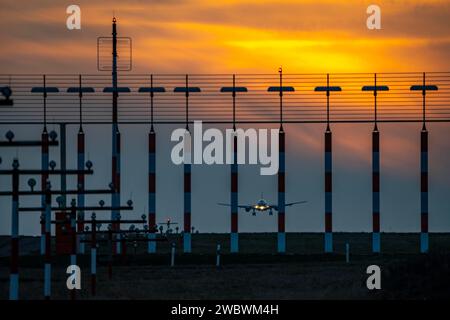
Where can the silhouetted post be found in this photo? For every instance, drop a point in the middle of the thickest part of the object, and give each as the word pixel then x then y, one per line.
pixel 45 184
pixel 81 186
pixel 234 180
pixel 187 169
pixel 63 162
pixel 281 178
pixel 123 243
pixel 115 199
pixel 424 246
pixel 347 252
pixel 281 194
pixel 424 190
pixel 328 192
pixel 44 148
pixel 328 170
pixel 187 197
pixel 14 193
pixel 172 255
pixel 187 184
pixel 94 256
pixel 81 158
pixel 376 238
pixel 44 176
pixel 152 189
pixel 73 230
pixel 48 242
pixel 80 162
pixel 123 246
pixel 218 256
pixel 45 219
pixel 234 235
pixel 14 274
pixel 281 208
pixel 111 252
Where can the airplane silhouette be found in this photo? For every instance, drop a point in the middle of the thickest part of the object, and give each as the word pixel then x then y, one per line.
pixel 261 206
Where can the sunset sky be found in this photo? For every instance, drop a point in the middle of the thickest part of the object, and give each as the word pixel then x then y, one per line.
pixel 251 36
pixel 179 36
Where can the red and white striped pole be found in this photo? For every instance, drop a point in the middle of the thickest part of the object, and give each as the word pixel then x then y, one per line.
pixel 234 217
pixel 117 184
pixel 81 186
pixel 115 198
pixel 93 256
pixel 73 230
pixel 44 163
pixel 424 177
pixel 328 192
pixel 152 190
pixel 151 247
pixel 234 235
pixel 110 239
pixel 424 190
pixel 376 237
pixel 187 180
pixel 81 158
pixel 281 194
pixel 14 272
pixel 44 178
pixel 187 193
pixel 187 169
pixel 281 176
pixel 424 245
pixel 328 170
pixel 376 240
pixel 115 201
pixel 281 207
pixel 151 177
pixel 48 239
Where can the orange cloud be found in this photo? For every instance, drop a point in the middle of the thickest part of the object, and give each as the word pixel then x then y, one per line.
pixel 237 36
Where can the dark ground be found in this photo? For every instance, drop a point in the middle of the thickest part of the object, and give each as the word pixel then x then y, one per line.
pixel 304 272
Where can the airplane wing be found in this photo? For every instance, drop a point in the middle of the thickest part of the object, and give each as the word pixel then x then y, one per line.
pixel 275 206
pixel 239 206
pixel 224 204
pixel 292 203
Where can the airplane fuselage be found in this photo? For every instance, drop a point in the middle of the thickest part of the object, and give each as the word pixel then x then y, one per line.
pixel 261 206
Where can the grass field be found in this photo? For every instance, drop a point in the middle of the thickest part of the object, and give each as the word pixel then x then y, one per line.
pixel 257 272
